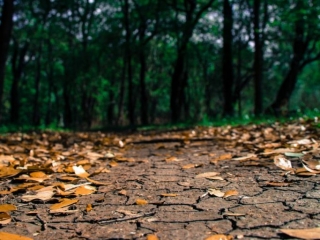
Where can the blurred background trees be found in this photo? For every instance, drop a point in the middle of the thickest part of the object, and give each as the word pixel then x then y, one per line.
pixel 89 63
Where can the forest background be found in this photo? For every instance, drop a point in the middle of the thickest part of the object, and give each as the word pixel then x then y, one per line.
pixel 89 63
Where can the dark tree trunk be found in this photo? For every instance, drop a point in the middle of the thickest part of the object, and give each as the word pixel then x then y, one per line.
pixel 300 46
pixel 36 111
pixel 5 35
pixel 18 65
pixel 143 69
pixel 227 67
pixel 258 58
pixel 131 105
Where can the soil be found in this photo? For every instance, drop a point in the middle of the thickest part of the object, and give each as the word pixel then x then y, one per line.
pixel 161 171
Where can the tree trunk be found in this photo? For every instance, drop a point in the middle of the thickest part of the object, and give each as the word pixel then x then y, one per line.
pixel 143 69
pixel 300 46
pixel 258 58
pixel 36 111
pixel 131 104
pixel 18 65
pixel 5 35
pixel 227 67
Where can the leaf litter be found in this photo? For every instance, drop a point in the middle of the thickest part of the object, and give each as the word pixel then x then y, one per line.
pixel 47 166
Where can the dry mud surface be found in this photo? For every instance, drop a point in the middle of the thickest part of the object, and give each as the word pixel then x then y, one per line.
pixel 155 188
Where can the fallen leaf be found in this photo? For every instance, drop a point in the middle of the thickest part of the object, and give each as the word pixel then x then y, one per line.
pixel 169 195
pixel 188 166
pixel 113 163
pixel 248 157
pixel 98 183
pixel 215 192
pixel 38 175
pixel 122 192
pixel 141 202
pixel 172 159
pixel 283 163
pixel 5 218
pixel 219 237
pixel 215 178
pixel 85 190
pixel 10 236
pixel 79 171
pixel 152 237
pixel 311 233
pixel 89 207
pixel 64 210
pixel 44 196
pixel 6 172
pixel 277 184
pixel 207 174
pixel 230 193
pixel 7 207
pixel 63 203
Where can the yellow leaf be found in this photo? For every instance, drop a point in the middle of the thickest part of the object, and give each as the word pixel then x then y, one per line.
pixel 230 193
pixel 64 202
pixel 311 233
pixel 219 237
pixel 152 237
pixel 8 172
pixel 85 190
pixel 10 236
pixel 141 202
pixel 38 175
pixel 89 207
pixel 7 207
pixel 97 182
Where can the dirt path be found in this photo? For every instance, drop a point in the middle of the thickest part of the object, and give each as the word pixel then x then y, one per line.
pixel 168 185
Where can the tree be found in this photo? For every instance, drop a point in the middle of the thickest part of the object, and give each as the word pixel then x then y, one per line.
pixel 5 36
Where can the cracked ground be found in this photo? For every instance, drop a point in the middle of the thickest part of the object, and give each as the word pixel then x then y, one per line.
pixel 158 183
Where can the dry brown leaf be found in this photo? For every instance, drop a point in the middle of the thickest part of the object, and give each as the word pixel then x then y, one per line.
pixel 283 163
pixel 141 202
pixel 277 184
pixel 215 178
pixel 152 237
pixel 219 237
pixel 68 179
pixel 79 171
pixel 172 159
pixel 169 195
pixel 43 195
pixel 230 193
pixel 6 172
pixel 10 236
pixel 188 166
pixel 85 190
pixel 207 174
pixel 7 207
pixel 38 175
pixel 215 192
pixel 5 218
pixel 122 192
pixel 89 207
pixel 311 233
pixel 63 203
pixel 98 183
pixel 113 163
pixel 247 157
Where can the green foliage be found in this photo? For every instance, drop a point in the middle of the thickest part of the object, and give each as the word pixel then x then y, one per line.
pixel 76 67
